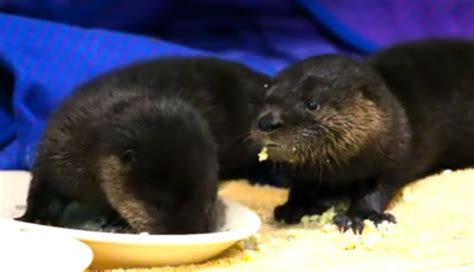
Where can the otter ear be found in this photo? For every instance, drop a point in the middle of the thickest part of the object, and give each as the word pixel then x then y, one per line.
pixel 367 92
pixel 128 156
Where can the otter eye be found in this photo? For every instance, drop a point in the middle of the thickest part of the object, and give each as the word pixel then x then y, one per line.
pixel 312 106
pixel 128 156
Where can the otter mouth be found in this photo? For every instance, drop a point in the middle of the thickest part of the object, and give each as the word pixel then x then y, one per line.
pixel 276 152
pixel 272 150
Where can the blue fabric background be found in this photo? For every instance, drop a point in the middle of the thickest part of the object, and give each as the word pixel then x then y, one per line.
pixel 47 47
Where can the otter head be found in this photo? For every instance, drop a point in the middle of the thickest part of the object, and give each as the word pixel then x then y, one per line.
pixel 321 110
pixel 161 171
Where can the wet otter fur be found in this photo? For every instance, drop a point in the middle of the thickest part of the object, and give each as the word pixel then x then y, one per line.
pixel 363 130
pixel 149 142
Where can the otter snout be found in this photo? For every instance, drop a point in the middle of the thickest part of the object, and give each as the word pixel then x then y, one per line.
pixel 269 121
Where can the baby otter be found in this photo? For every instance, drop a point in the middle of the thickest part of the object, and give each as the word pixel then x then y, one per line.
pixel 363 130
pixel 150 142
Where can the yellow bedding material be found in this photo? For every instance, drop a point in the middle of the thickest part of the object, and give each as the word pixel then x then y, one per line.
pixel 435 229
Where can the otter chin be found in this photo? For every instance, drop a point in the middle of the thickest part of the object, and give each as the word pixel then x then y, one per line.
pixel 277 152
pixel 281 153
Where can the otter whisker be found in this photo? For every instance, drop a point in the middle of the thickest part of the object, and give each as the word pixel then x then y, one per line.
pixel 247 137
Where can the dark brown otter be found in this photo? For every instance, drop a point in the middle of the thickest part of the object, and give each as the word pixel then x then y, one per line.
pixel 150 142
pixel 363 130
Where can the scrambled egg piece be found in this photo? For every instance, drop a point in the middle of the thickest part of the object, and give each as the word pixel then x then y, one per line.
pixel 263 155
pixel 370 237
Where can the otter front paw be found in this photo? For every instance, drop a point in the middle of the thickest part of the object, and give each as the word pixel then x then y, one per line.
pixel 356 222
pixel 345 222
pixel 288 214
pixel 292 214
pixel 379 218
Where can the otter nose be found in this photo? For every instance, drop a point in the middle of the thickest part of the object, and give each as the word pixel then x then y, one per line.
pixel 269 122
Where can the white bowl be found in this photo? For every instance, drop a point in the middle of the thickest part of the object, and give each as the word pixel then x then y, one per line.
pixel 13 192
pixel 112 250
pixel 32 251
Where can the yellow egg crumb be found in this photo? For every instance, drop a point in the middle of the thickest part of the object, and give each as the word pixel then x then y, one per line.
pixel 248 255
pixel 325 218
pixel 263 155
pixel 407 194
pixel 349 242
pixel 251 243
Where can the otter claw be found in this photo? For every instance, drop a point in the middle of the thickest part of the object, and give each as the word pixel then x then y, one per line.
pixel 344 222
pixel 356 223
pixel 378 218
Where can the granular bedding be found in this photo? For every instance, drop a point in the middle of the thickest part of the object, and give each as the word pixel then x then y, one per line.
pixel 434 230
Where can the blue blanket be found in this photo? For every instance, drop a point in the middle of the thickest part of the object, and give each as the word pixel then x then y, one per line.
pixel 48 47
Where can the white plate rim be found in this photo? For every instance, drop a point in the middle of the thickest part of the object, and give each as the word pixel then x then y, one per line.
pixel 78 246
pixel 153 240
